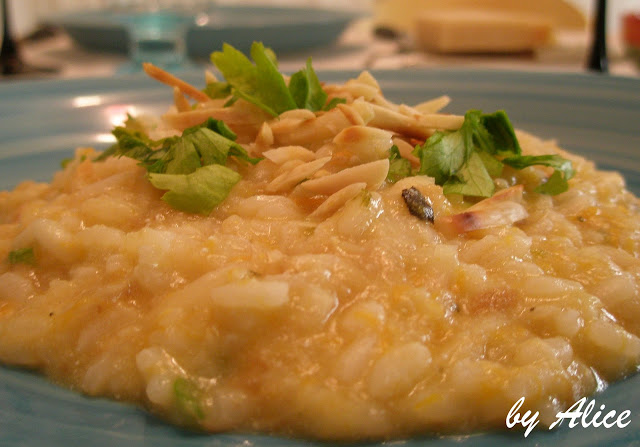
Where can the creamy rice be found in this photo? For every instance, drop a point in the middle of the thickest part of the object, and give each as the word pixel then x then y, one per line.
pixel 333 316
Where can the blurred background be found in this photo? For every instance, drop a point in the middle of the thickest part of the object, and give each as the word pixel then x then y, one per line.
pixel 76 38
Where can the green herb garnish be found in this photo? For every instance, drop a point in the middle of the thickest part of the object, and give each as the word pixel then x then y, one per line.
pixel 65 161
pixel 465 160
pixel 399 167
pixel 192 167
pixel 263 85
pixel 186 394
pixel 557 183
pixel 198 192
pixel 22 256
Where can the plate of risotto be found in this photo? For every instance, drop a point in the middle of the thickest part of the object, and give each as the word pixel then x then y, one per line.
pixel 245 257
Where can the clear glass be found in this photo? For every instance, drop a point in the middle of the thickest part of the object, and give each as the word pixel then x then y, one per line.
pixel 157 30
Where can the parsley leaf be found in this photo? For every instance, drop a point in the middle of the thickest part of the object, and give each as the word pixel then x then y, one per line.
pixel 198 192
pixel 187 397
pixel 557 183
pixel 465 160
pixel 443 154
pixel 399 167
pixel 263 85
pixel 306 89
pixel 22 256
pixel 502 136
pixel 260 84
pixel 471 180
pixel 334 102
pixel 190 167
pixel 217 90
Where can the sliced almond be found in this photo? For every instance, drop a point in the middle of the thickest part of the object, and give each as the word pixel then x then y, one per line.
pixel 264 138
pixel 418 125
pixel 286 153
pixel 290 132
pixel 181 103
pixel 337 200
pixel 367 78
pixel 406 150
pixel 297 114
pixel 502 209
pixel 243 118
pixel 512 194
pixel 367 143
pixel 165 77
pixel 373 174
pixel 499 215
pixel 433 105
pixel 291 178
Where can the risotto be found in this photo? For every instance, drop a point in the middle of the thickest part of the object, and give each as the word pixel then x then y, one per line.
pixel 323 279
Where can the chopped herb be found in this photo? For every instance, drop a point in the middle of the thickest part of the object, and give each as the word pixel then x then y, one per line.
pixel 472 179
pixel 334 102
pixel 65 162
pixel 217 90
pixel 187 397
pixel 260 84
pixel 557 183
pixel 464 161
pixel 418 205
pixel 198 192
pixel 306 89
pixel 365 197
pixel 263 85
pixel 191 167
pixel 399 167
pixel 22 256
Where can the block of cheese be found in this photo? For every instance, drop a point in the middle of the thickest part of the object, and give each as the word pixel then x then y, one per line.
pixel 401 14
pixel 480 31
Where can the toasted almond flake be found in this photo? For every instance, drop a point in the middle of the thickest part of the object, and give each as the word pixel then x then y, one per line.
pixel 497 215
pixel 351 114
pixel 373 174
pixel 360 89
pixel 503 208
pixel 367 143
pixel 337 200
pixel 367 78
pixel 181 103
pixel 265 136
pixel 165 77
pixel 417 125
pixel 406 150
pixel 291 178
pixel 288 165
pixel 209 77
pixel 441 121
pixel 297 114
pixel 286 153
pixel 290 132
pixel 433 105
pixel 513 194
pixel 243 118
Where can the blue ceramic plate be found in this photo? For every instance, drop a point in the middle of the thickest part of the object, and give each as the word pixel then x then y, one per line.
pixel 282 29
pixel 41 123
